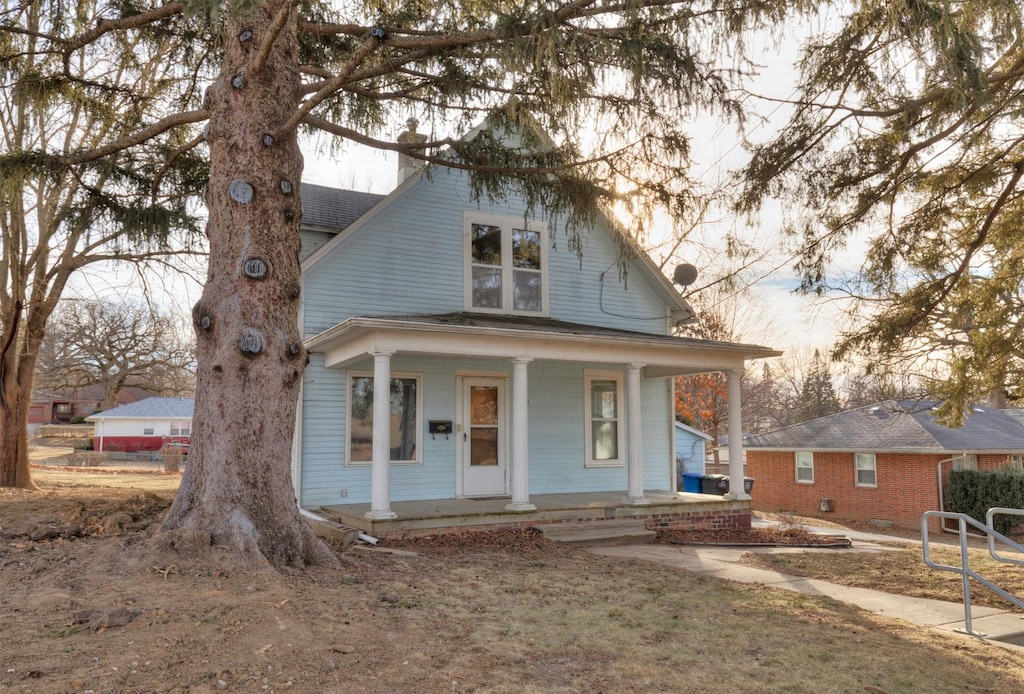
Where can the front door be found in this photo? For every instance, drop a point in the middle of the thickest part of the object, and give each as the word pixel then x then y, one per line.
pixel 483 438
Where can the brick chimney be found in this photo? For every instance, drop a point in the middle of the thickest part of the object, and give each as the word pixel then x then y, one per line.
pixel 407 165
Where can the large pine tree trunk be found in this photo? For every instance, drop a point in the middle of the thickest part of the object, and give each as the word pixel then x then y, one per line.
pixel 237 483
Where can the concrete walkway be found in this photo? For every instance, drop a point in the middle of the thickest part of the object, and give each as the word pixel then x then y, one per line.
pixel 1001 626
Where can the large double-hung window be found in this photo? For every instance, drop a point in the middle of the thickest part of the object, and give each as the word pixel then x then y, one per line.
pixel 804 467
pixel 506 264
pixel 405 408
pixel 604 418
pixel 866 469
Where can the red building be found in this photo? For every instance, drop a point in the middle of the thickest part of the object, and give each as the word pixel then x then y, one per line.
pixel 146 425
pixel 885 463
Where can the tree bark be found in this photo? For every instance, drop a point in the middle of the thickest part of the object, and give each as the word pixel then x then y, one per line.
pixel 237 485
pixel 18 375
pixel 14 470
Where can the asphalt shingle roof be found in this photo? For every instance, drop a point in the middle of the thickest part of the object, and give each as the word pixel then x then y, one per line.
pixel 899 426
pixel 178 408
pixel 334 208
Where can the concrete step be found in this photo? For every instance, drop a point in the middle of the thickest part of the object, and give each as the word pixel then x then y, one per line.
pixel 599 533
pixel 330 530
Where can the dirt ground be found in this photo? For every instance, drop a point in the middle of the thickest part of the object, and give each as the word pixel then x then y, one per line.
pixel 88 605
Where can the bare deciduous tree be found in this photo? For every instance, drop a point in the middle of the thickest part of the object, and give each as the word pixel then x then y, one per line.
pixel 115 344
pixel 62 210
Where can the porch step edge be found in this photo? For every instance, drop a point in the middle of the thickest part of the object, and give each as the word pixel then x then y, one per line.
pixel 331 530
pixel 599 533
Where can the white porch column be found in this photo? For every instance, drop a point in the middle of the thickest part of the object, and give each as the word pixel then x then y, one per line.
pixel 380 481
pixel 634 437
pixel 520 438
pixel 736 487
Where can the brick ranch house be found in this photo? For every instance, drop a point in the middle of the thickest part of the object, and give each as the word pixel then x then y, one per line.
pixel 885 463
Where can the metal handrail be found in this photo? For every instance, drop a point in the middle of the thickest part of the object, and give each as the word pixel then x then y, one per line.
pixel 992 512
pixel 964 569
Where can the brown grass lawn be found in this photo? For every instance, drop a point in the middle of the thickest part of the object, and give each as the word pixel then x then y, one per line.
pixel 89 604
pixel 903 572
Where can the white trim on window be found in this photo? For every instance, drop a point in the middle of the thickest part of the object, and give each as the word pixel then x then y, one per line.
pixel 366 424
pixel 181 428
pixel 804 462
pixel 1015 461
pixel 965 461
pixel 865 470
pixel 606 387
pixel 503 268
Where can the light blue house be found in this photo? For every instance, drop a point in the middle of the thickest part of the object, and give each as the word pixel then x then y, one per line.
pixel 517 371
pixel 690 449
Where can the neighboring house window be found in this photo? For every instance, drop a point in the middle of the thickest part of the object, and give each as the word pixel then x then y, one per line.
pixel 1016 461
pixel 147 430
pixel 967 461
pixel 65 408
pixel 865 466
pixel 505 264
pixel 805 467
pixel 180 428
pixel 604 439
pixel 405 418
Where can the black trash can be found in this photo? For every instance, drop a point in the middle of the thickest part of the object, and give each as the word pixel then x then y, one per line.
pixel 714 484
pixel 748 484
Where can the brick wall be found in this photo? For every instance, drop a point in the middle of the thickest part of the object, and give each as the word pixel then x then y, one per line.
pixel 907 485
pixel 722 519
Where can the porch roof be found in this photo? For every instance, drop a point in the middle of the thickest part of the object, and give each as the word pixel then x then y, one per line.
pixel 494 336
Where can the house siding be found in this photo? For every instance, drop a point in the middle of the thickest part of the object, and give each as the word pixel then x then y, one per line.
pixel 128 434
pixel 690 456
pixel 411 262
pixel 556 431
pixel 311 241
pixel 907 485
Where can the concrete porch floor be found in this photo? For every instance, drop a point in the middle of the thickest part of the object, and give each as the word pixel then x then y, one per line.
pixel 447 515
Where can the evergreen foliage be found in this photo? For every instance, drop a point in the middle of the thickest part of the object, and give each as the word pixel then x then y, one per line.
pixel 906 130
pixel 817 395
pixel 974 492
pixel 597 94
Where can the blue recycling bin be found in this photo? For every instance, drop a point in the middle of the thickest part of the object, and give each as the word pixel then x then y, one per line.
pixel 691 482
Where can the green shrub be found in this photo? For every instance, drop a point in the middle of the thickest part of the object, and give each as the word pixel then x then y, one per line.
pixel 974 492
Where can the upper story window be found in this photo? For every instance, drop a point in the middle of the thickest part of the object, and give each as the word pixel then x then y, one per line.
pixel 181 428
pixel 506 264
